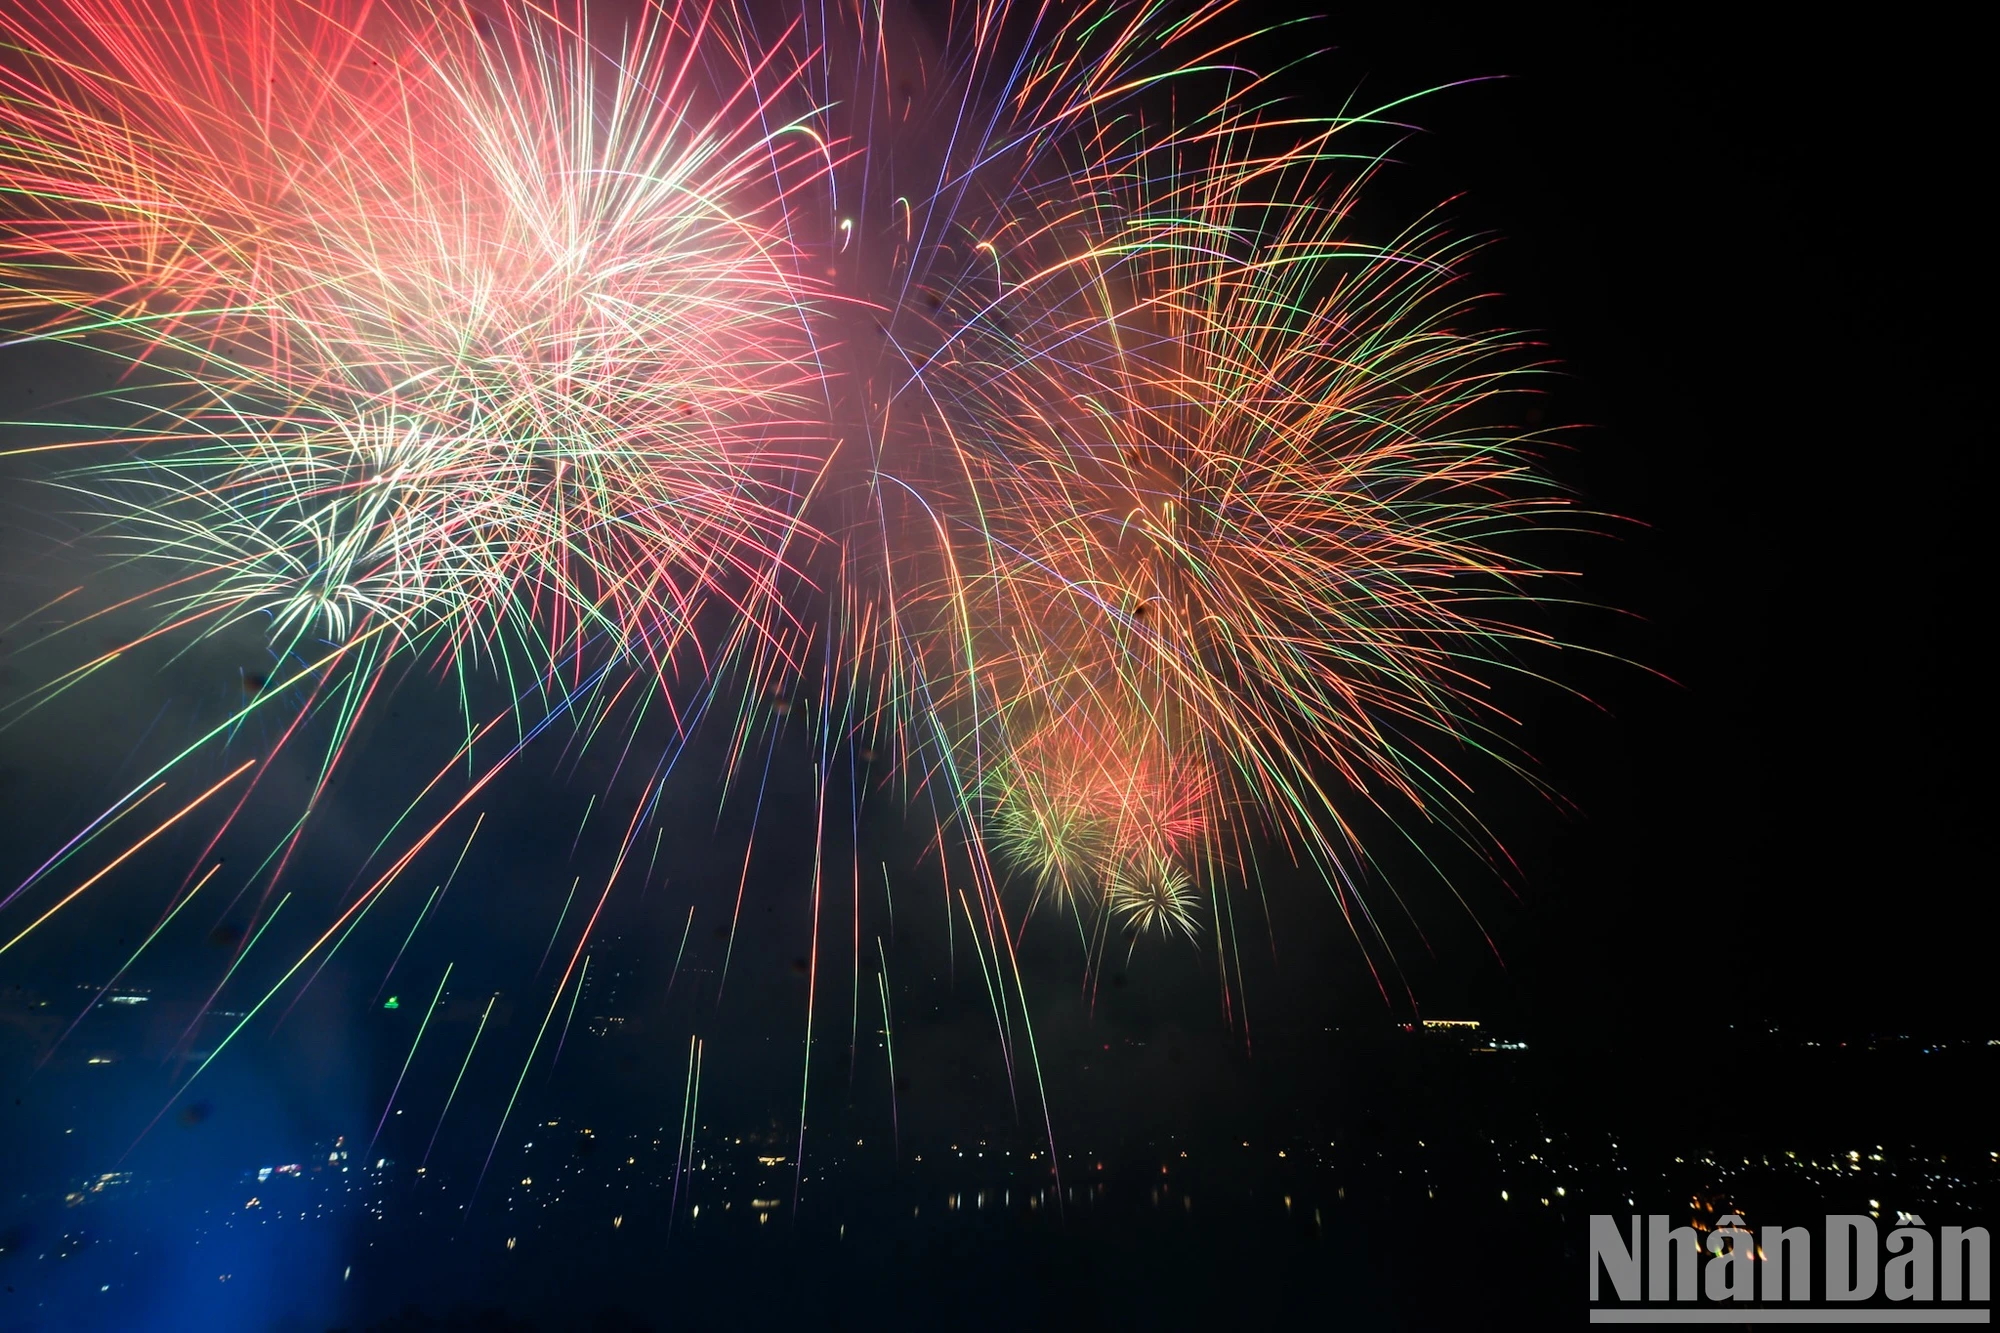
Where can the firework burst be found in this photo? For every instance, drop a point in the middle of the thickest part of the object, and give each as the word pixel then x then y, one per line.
pixel 1207 465
pixel 1039 383
pixel 472 332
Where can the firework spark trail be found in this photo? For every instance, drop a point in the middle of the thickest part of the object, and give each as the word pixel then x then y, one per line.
pixel 889 1046
pixel 681 952
pixel 452 1096
pixel 97 999
pixel 128 853
pixel 560 916
pixel 342 925
pixel 241 1024
pixel 632 832
pixel 112 814
pixel 423 913
pixel 684 1132
pixel 152 783
pixel 812 978
pixel 570 1017
pixel 409 1059
pixel 646 884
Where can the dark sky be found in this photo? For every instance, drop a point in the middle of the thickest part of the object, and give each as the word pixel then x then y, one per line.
pixel 1729 228
pixel 1751 245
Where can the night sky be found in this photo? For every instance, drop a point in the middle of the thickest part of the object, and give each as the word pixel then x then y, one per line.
pixel 1753 250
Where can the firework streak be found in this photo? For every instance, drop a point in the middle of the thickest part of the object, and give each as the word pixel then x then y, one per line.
pixel 1020 391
